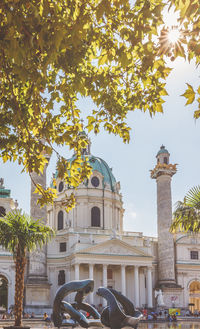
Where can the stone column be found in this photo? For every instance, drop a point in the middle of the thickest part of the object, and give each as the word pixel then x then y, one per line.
pixel 163 173
pixel 105 283
pixel 37 287
pixel 91 276
pixel 37 263
pixel 136 285
pixel 123 280
pixel 149 287
pixel 76 270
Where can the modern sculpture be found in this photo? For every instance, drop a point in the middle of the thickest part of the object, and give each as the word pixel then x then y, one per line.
pixel 60 307
pixel 112 316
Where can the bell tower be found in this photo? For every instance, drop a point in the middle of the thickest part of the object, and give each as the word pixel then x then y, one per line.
pixel 163 173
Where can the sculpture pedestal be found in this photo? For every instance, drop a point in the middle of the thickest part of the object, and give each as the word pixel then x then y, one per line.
pixel 37 298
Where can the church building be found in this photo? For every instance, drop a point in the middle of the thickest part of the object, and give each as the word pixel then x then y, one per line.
pixel 90 242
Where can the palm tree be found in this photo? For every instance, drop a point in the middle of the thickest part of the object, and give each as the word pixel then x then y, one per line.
pixel 186 216
pixel 20 234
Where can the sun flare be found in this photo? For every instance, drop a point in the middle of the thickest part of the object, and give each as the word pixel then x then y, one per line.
pixel 174 35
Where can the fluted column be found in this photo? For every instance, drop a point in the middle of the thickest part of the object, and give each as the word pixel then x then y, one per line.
pixel 149 287
pixel 76 269
pixel 91 276
pixel 136 285
pixel 123 279
pixel 105 283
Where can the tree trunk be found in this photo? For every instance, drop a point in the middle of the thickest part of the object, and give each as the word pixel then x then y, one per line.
pixel 20 263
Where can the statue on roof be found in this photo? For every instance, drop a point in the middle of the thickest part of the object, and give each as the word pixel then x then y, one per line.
pixel 1 182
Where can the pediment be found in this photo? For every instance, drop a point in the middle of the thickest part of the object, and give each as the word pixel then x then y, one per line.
pixel 115 247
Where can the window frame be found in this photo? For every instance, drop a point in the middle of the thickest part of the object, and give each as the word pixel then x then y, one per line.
pixel 193 253
pixel 59 226
pixel 61 244
pixel 95 218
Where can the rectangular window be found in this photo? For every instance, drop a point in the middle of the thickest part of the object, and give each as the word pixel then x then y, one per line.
pixel 194 254
pixel 63 246
pixel 109 274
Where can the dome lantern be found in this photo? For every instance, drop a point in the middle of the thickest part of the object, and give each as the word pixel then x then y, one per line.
pixel 163 155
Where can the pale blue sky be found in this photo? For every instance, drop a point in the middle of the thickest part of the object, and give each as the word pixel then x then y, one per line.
pixel 176 129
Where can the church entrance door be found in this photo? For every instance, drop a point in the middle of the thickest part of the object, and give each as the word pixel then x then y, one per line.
pixel 194 296
pixel 3 293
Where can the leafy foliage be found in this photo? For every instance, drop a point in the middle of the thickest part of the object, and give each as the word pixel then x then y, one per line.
pixel 52 52
pixel 187 213
pixel 188 45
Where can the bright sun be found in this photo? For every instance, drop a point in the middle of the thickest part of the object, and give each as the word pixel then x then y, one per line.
pixel 173 35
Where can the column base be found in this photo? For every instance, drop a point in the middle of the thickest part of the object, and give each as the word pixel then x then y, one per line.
pixel 172 295
pixel 167 284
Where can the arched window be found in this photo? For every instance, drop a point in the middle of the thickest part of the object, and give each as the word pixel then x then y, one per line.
pixel 60 220
pixel 3 293
pixel 165 160
pixel 60 186
pixel 2 211
pixel 95 217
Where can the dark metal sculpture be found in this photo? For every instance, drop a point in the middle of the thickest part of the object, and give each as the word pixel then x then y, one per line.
pixel 60 307
pixel 112 316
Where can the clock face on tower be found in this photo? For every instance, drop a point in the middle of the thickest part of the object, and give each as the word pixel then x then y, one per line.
pixel 95 181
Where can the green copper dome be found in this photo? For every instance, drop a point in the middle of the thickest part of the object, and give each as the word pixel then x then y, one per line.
pixel 162 150
pixel 102 167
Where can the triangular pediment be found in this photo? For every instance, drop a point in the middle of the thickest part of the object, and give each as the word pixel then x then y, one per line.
pixel 115 247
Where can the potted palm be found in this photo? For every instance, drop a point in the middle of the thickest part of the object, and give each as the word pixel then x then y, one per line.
pixel 21 234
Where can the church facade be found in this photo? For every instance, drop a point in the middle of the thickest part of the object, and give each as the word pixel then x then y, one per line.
pixel 91 243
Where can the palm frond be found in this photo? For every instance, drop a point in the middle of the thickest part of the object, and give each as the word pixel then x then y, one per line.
pixel 18 230
pixel 186 216
pixel 193 197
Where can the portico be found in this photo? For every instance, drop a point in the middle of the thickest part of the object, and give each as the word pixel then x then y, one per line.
pixel 118 277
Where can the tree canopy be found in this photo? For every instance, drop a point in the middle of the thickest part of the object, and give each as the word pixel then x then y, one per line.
pixel 53 52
